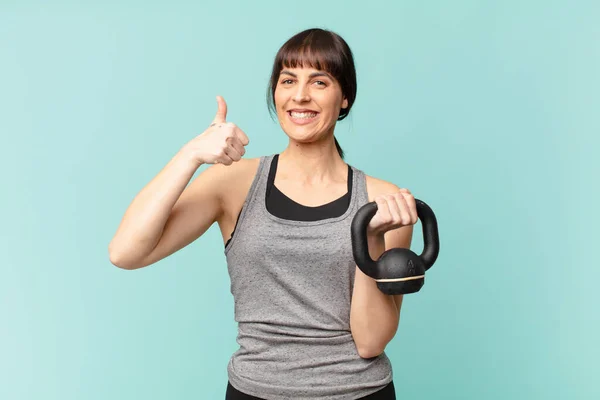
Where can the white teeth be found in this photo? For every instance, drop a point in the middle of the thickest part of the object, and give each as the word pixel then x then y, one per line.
pixel 303 114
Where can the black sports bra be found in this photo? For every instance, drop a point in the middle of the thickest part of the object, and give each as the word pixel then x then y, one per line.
pixel 282 206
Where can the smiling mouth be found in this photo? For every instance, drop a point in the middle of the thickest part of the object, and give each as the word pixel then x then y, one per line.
pixel 302 115
pixel 303 118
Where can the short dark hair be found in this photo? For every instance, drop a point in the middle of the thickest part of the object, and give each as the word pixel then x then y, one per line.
pixel 323 50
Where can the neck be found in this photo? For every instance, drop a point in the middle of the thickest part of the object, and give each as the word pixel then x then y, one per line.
pixel 312 163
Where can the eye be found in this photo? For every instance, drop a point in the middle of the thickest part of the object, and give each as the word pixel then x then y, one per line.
pixel 321 83
pixel 286 81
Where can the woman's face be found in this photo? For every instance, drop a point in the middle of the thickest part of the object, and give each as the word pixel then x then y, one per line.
pixel 308 103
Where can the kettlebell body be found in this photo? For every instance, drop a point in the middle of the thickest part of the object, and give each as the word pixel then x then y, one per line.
pixel 404 270
pixel 397 271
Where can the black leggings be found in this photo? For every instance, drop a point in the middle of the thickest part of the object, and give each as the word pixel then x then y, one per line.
pixel 387 393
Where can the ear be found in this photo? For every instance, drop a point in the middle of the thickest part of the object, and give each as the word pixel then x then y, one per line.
pixel 345 103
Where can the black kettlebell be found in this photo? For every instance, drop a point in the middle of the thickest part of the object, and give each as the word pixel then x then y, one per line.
pixel 397 271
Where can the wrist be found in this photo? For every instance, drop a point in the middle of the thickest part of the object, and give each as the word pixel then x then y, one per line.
pixel 376 243
pixel 374 234
pixel 187 158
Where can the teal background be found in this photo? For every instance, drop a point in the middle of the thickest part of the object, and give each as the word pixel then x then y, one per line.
pixel 488 111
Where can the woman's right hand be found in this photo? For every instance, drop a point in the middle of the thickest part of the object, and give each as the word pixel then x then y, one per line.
pixel 222 143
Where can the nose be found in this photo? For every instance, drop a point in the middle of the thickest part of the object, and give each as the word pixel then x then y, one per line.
pixel 301 94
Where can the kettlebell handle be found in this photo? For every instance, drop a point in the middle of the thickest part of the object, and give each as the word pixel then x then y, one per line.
pixel 431 243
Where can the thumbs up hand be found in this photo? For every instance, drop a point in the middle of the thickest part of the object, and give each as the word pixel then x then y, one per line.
pixel 223 142
pixel 221 111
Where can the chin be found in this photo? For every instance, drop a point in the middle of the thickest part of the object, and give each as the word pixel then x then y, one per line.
pixel 305 139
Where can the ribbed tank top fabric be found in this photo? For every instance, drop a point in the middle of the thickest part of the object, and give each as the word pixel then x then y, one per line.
pixel 292 283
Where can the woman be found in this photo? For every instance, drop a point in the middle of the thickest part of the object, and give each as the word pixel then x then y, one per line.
pixel 311 325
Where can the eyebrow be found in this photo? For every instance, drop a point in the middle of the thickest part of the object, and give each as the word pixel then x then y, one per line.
pixel 312 75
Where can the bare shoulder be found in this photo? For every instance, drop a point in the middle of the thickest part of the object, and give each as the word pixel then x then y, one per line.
pixel 238 171
pixel 236 180
pixel 377 187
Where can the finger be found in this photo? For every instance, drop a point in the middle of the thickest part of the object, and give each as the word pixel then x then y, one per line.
pixel 412 207
pixel 242 136
pixel 233 153
pixel 237 145
pixel 225 159
pixel 395 209
pixel 383 209
pixel 221 111
pixel 404 209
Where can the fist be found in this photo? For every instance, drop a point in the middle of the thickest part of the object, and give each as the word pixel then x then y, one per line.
pixel 222 143
pixel 394 210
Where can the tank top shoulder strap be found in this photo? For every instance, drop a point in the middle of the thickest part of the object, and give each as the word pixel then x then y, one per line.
pixel 255 196
pixel 359 189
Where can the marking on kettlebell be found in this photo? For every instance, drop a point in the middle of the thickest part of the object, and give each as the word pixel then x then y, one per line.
pixel 411 267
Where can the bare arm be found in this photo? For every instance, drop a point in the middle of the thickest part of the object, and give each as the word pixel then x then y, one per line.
pixel 374 316
pixel 165 216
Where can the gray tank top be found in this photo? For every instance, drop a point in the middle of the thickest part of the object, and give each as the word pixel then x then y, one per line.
pixel 292 286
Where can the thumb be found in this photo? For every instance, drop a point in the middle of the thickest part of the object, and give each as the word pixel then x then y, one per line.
pixel 222 110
